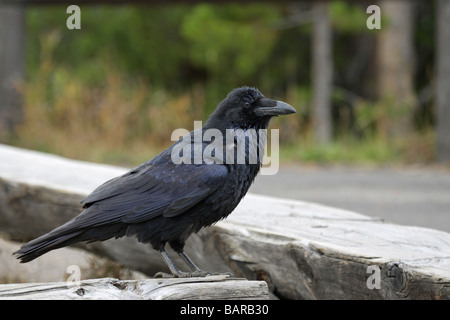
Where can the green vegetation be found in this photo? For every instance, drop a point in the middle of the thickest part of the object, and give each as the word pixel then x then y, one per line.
pixel 116 89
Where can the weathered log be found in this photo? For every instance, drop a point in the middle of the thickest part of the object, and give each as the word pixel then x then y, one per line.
pixel 210 287
pixel 302 250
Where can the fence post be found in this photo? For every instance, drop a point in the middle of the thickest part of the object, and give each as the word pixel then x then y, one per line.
pixel 12 54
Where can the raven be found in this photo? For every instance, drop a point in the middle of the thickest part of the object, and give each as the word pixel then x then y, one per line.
pixel 161 201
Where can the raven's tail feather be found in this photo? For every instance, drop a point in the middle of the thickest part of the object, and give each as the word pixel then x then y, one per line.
pixel 44 244
pixel 62 237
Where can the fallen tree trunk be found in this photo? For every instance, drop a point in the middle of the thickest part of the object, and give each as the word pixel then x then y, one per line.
pixel 302 250
pixel 211 287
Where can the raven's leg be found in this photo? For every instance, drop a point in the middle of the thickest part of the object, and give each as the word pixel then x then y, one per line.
pixel 196 271
pixel 189 262
pixel 177 245
pixel 173 268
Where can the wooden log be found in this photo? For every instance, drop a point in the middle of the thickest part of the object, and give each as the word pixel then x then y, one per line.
pixel 302 250
pixel 211 287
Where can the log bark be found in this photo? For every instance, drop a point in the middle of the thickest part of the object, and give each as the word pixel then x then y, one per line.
pixel 302 250
pixel 211 287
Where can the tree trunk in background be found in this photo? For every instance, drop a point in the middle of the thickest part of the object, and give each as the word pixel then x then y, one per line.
pixel 322 72
pixel 12 48
pixel 396 68
pixel 443 80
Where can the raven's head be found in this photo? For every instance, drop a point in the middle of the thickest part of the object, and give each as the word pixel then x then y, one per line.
pixel 245 108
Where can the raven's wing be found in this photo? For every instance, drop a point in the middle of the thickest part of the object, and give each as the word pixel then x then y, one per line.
pixel 150 191
pixel 183 188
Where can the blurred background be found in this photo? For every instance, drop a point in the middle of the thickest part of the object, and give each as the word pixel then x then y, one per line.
pixel 114 90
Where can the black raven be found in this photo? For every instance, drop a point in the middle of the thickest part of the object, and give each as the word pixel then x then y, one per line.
pixel 165 201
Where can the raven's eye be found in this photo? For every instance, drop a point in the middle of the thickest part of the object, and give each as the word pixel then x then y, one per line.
pixel 247 104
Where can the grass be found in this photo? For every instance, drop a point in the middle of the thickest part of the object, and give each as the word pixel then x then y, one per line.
pixel 375 150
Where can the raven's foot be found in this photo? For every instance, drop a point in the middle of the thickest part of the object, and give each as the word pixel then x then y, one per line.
pixel 177 273
pixel 181 274
pixel 202 274
pixel 193 274
pixel 163 275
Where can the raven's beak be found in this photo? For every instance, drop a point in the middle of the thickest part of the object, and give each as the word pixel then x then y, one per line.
pixel 268 107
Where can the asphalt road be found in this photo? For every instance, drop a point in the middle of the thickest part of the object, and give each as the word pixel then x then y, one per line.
pixel 409 196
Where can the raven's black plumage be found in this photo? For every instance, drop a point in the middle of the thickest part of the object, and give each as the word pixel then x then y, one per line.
pixel 162 202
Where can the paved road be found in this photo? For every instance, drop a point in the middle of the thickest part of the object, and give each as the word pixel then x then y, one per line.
pixel 409 196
